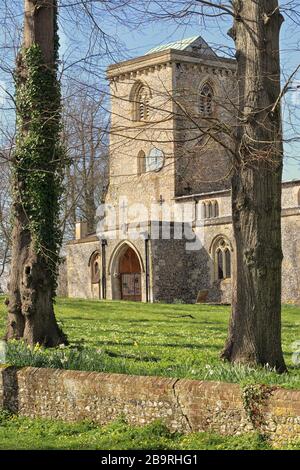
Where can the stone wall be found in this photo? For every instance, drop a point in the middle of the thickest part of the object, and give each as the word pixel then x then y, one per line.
pixel 220 291
pixel 202 164
pixel 129 137
pixel 178 274
pixel 79 271
pixel 62 282
pixel 291 256
pixel 184 405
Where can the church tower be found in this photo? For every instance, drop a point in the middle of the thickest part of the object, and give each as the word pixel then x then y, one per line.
pixel 166 107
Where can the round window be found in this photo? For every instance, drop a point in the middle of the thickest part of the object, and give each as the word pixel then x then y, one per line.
pixel 155 160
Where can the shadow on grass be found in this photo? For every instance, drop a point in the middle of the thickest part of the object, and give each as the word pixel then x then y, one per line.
pixel 133 356
pixel 160 345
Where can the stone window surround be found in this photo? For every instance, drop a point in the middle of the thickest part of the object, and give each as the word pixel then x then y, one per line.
pixel 143 161
pixel 94 263
pixel 206 96
pixel 223 245
pixel 209 209
pixel 140 97
pixel 214 85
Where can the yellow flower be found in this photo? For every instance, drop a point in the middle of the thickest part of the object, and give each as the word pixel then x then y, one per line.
pixel 37 347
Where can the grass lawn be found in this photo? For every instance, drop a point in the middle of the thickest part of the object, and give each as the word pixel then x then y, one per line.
pixel 152 339
pixel 24 433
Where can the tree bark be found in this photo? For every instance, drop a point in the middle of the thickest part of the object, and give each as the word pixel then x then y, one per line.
pixel 255 326
pixel 32 283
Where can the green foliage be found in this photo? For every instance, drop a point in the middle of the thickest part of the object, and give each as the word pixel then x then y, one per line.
pixel 39 156
pixel 209 441
pixel 254 398
pixel 152 339
pixel 24 433
pixel 56 36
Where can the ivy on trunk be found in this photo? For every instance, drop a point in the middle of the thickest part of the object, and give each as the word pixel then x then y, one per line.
pixel 38 170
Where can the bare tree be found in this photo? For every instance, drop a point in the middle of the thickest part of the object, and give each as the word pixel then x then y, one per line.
pixel 86 127
pixel 5 229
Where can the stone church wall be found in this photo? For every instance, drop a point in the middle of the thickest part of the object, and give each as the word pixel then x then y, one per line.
pixel 202 164
pixel 178 274
pixel 291 258
pixel 181 273
pixel 219 290
pixel 62 286
pixel 129 137
pixel 79 271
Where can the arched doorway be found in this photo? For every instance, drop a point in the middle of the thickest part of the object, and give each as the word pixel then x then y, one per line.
pixel 130 275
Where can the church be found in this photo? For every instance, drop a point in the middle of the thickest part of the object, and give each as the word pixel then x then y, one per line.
pixel 165 232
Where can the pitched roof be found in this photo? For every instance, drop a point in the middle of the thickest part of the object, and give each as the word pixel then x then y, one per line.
pixel 195 44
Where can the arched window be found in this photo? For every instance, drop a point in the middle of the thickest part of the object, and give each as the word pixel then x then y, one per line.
pixel 206 100
pixel 227 262
pixel 95 267
pixel 220 264
pixel 141 99
pixel 210 209
pixel 141 162
pixel 215 209
pixel 222 259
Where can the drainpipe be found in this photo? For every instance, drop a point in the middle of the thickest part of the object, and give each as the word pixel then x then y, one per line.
pixel 147 265
pixel 103 245
pixel 196 212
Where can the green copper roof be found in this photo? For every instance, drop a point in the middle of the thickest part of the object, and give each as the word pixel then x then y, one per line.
pixel 193 44
pixel 179 45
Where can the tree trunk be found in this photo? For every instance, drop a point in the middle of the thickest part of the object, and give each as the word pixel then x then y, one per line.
pixel 36 195
pixel 255 326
